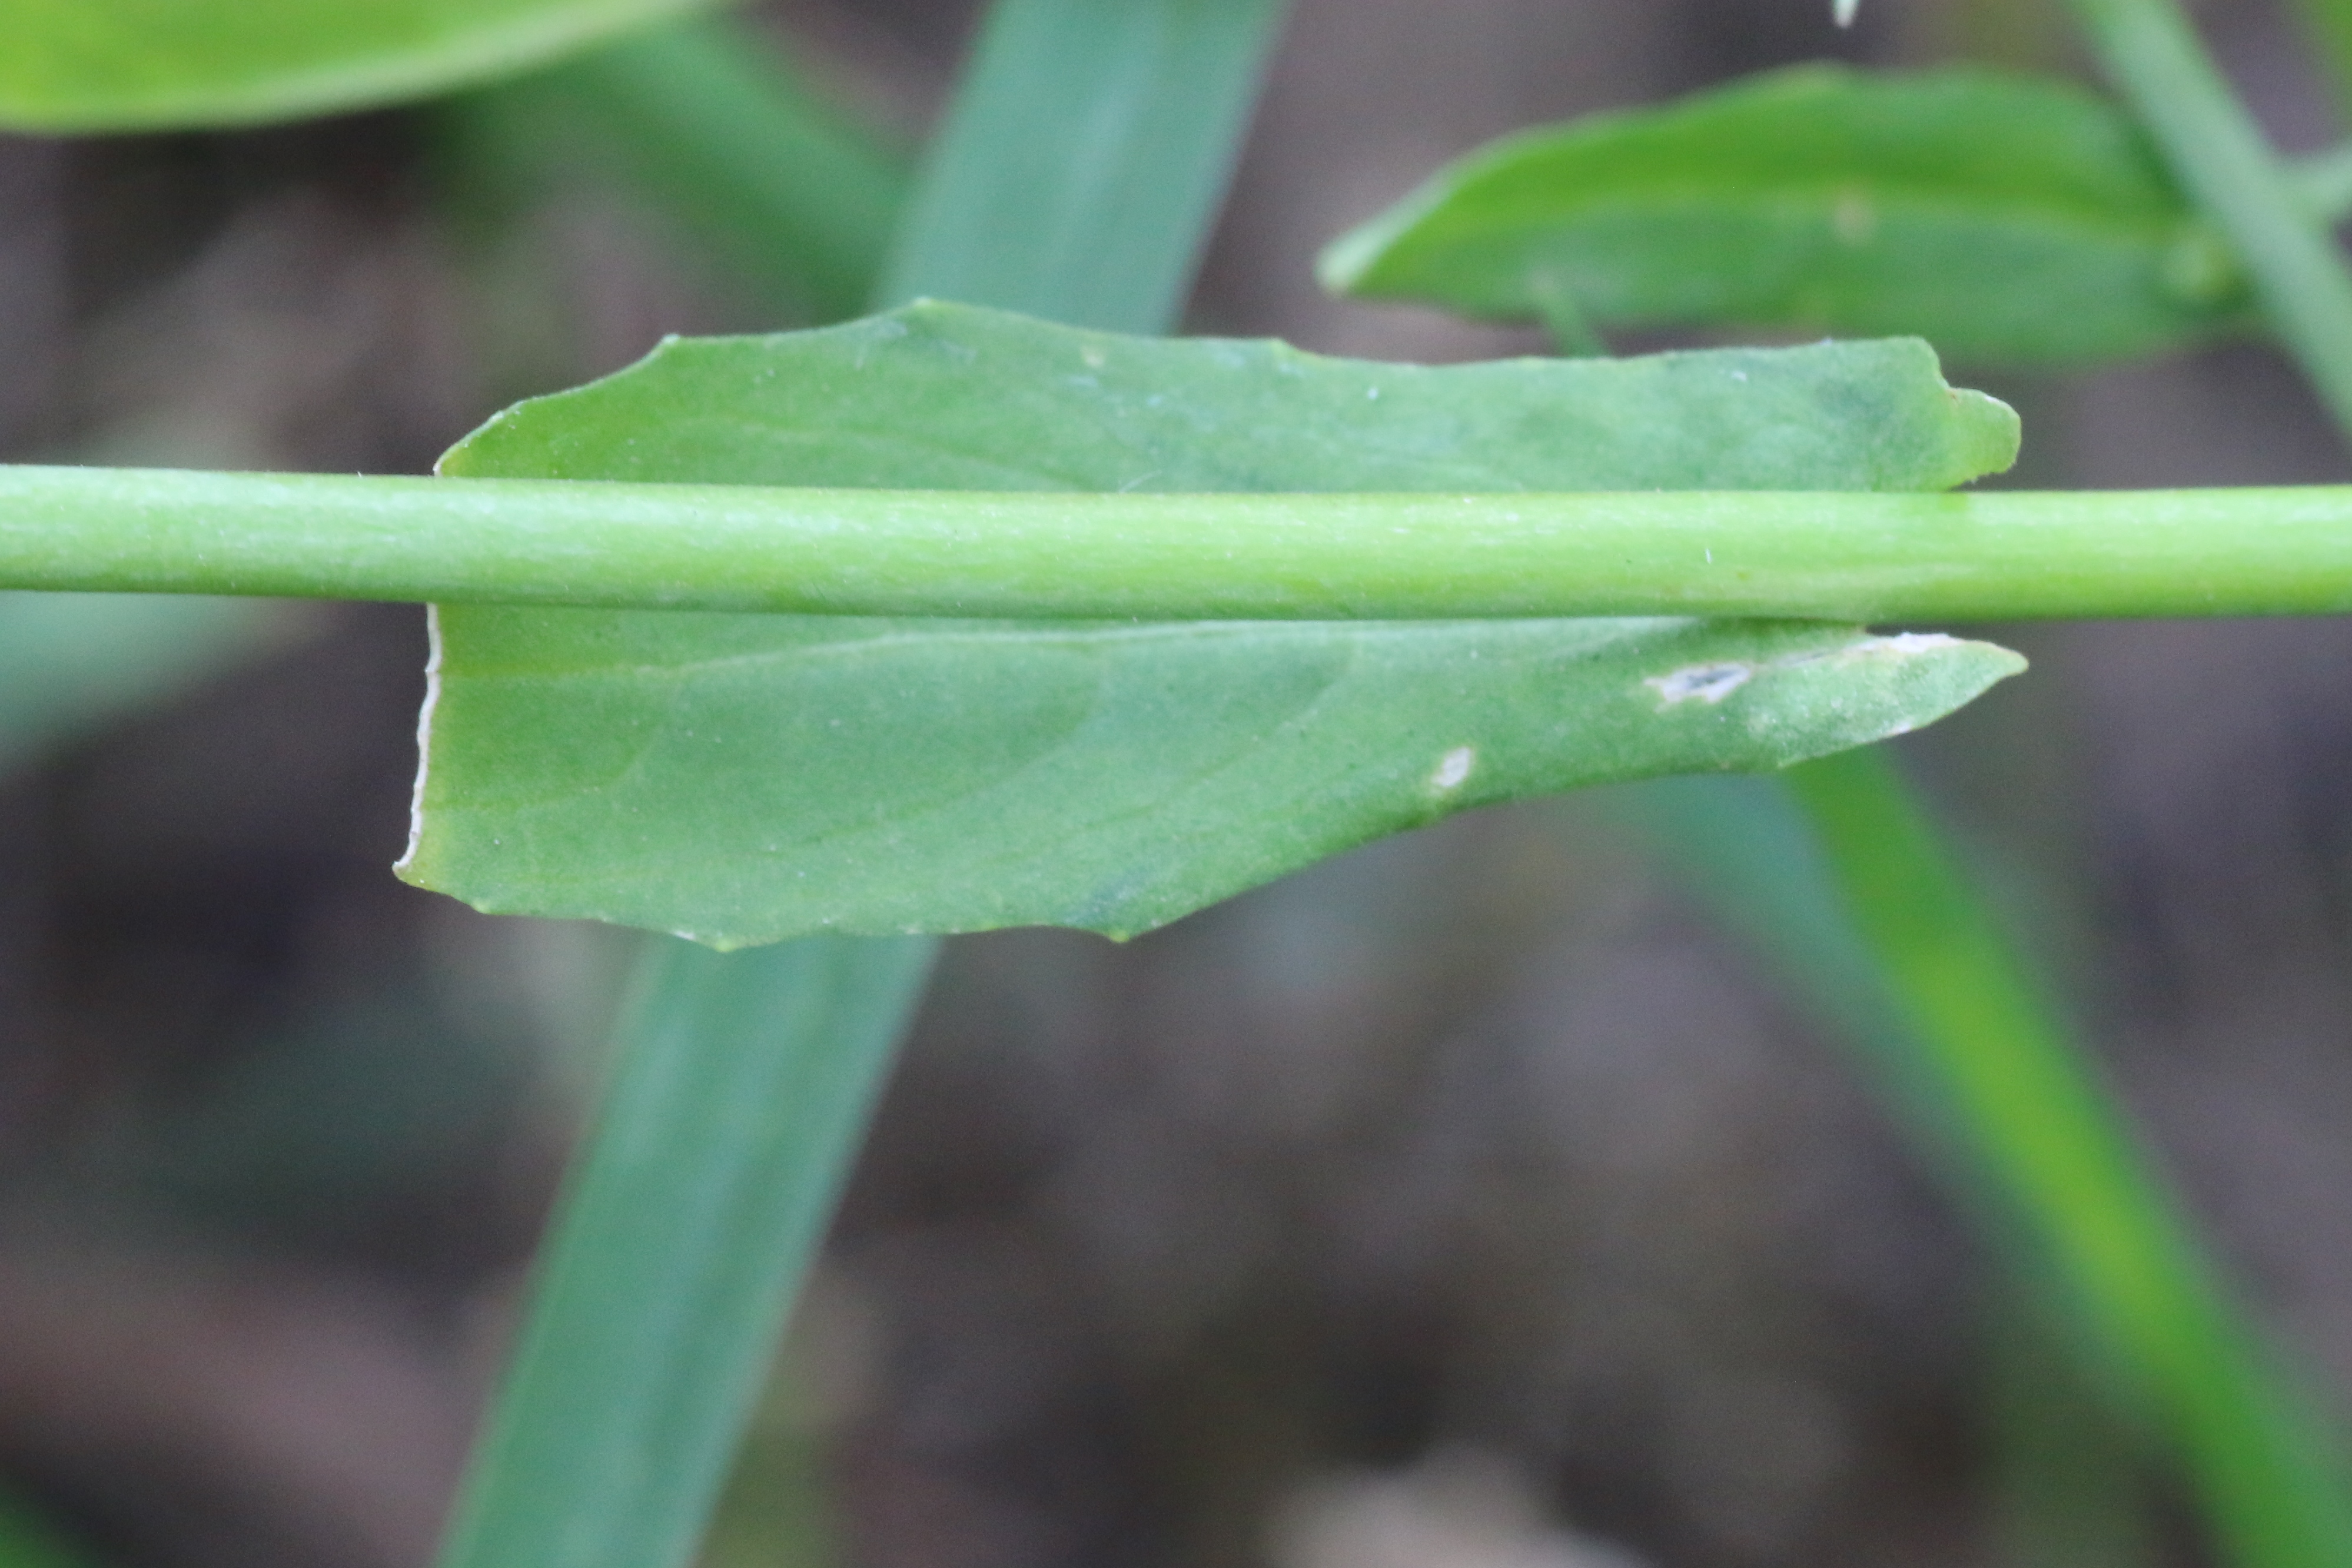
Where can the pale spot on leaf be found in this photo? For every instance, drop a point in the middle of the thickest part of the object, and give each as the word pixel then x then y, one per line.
pixel 1453 768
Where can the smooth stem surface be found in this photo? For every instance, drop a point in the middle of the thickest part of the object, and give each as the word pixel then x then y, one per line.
pixel 744 1086
pixel 2221 158
pixel 1838 556
pixel 2028 1107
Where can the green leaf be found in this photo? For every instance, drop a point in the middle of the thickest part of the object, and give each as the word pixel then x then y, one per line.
pixel 2005 219
pixel 123 65
pixel 743 779
pixel 935 396
pixel 740 780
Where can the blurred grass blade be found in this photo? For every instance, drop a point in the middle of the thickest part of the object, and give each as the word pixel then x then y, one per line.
pixel 2004 217
pixel 1839 880
pixel 2062 1164
pixel 2072 1477
pixel 595 1457
pixel 743 1090
pixel 717 127
pixel 1080 168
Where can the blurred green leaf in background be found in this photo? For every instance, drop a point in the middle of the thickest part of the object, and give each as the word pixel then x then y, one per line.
pixel 2005 219
pixel 77 67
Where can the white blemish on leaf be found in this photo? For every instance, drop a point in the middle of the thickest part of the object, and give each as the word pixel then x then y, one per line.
pixel 1914 642
pixel 1094 356
pixel 1855 220
pixel 1709 683
pixel 1453 768
pixel 424 735
pixel 1902 645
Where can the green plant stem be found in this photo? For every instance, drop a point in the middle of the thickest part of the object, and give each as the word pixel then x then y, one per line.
pixel 2221 160
pixel 744 1087
pixel 2031 1111
pixel 1843 556
pixel 1086 155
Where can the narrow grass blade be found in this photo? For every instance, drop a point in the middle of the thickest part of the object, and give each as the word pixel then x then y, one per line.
pixel 2062 1165
pixel 638 1368
pixel 743 1090
pixel 2072 1475
pixel 716 126
pixel 1077 174
pixel 1841 882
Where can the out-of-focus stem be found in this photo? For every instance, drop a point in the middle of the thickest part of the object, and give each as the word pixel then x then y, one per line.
pixel 2219 156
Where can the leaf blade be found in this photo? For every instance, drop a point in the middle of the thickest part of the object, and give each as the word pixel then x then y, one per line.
pixel 742 779
pixel 84 66
pixel 938 778
pixel 2006 218
pixel 942 396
